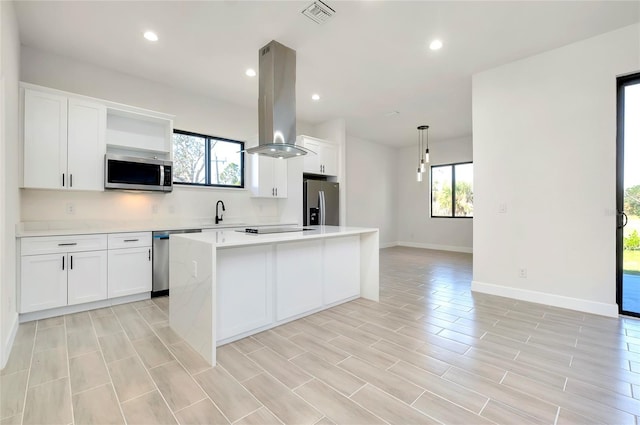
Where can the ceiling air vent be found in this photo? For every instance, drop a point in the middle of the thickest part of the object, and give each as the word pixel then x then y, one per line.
pixel 318 12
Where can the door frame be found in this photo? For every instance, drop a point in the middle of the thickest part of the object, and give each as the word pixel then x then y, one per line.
pixel 621 83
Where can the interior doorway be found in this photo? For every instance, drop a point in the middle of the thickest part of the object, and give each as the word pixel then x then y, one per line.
pixel 628 195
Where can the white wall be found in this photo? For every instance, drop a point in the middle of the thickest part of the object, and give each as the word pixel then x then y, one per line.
pixel 9 173
pixel 193 112
pixel 415 225
pixel 336 131
pixel 371 192
pixel 544 144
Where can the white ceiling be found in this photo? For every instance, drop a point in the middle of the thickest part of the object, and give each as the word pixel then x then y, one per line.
pixel 370 59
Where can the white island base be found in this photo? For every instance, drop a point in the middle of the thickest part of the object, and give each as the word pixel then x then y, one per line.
pixel 227 285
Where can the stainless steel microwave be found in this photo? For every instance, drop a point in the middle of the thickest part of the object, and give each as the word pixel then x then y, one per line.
pixel 130 172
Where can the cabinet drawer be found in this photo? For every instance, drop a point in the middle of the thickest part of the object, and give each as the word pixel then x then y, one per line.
pixel 129 240
pixel 60 244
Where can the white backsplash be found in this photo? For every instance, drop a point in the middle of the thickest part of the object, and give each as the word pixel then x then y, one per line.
pixel 183 203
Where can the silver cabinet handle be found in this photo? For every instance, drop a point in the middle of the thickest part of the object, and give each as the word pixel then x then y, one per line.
pixel 62 179
pixel 70 180
pixel 131 240
pixel 68 244
pixel 63 262
pixel 149 254
pixel 276 191
pixel 71 263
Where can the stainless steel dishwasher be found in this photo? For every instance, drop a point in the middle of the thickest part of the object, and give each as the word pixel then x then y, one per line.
pixel 161 260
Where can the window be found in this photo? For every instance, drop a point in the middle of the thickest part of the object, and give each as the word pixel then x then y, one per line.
pixel 207 161
pixel 452 190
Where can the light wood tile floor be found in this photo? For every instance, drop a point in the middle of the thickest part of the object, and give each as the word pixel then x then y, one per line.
pixel 429 352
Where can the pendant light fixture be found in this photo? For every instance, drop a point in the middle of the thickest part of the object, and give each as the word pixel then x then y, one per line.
pixel 422 161
pixel 422 129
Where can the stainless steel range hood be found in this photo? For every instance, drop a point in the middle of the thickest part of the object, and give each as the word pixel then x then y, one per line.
pixel 277 103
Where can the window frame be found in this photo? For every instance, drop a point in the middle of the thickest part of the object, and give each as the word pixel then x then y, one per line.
pixel 207 160
pixel 453 190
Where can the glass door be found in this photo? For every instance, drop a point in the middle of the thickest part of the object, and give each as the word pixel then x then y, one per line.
pixel 628 195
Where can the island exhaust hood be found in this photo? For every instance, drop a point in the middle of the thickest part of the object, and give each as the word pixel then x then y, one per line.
pixel 277 103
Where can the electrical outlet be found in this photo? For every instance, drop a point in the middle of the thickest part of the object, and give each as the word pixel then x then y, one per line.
pixel 502 208
pixel 523 273
pixel 154 209
pixel 194 271
pixel 71 208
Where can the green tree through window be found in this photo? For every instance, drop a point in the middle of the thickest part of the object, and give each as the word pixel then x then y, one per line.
pixel 452 190
pixel 204 160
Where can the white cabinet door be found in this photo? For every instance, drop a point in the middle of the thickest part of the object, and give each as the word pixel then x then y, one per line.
pixel 325 160
pixel 86 145
pixel 330 159
pixel 86 277
pixel 43 282
pixel 312 160
pixel 261 177
pixel 280 177
pixel 129 271
pixel 45 140
pixel 342 268
pixel 268 177
pixel 298 278
pixel 244 290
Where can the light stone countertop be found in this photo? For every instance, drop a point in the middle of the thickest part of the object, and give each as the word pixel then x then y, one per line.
pixel 231 238
pixel 85 227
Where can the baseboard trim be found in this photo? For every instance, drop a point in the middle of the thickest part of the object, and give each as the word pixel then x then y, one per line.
pixel 465 249
pixel 8 344
pixel 69 309
pixel 593 307
pixel 388 245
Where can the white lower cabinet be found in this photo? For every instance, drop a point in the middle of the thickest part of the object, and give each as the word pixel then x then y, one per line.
pixel 342 269
pixel 298 278
pixel 259 286
pixel 129 271
pixel 244 293
pixel 86 277
pixel 58 271
pixel 56 280
pixel 43 282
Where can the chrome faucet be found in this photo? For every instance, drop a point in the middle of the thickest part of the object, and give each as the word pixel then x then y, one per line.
pixel 219 219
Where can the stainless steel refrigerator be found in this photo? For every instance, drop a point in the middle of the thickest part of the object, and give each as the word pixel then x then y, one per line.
pixel 321 203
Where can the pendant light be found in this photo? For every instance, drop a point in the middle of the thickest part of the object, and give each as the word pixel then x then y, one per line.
pixel 422 161
pixel 421 129
pixel 421 166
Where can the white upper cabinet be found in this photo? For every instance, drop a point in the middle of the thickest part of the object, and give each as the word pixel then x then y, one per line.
pixel 64 142
pixel 45 140
pixel 66 137
pixel 86 145
pixel 268 177
pixel 141 131
pixel 325 160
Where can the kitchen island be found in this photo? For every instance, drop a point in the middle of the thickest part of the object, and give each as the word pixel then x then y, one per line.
pixel 227 285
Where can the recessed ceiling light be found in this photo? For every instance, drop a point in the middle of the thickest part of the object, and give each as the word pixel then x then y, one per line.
pixel 315 97
pixel 250 72
pixel 151 36
pixel 435 45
